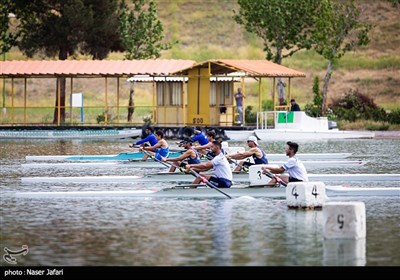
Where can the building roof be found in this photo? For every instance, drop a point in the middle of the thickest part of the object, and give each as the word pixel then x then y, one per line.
pixel 92 68
pixel 254 68
pixel 150 67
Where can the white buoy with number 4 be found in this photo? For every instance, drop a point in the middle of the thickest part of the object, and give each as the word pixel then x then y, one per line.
pixel 345 220
pixel 308 195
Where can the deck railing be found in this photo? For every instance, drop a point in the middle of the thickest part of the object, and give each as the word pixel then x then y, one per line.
pixel 267 119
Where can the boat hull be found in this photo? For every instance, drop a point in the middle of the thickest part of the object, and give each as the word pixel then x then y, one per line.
pixel 239 135
pixel 204 192
pixel 240 177
pixel 138 155
pixel 125 156
pixel 155 164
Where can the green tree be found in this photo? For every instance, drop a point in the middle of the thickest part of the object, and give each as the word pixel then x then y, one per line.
pixel 337 30
pixel 142 31
pixel 103 35
pixel 317 99
pixel 142 36
pixel 395 3
pixel 283 26
pixel 62 28
pixel 8 37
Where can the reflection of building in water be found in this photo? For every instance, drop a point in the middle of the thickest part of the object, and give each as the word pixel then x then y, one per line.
pixel 345 252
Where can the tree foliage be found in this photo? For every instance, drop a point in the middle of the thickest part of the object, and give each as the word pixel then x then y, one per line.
pixel 355 105
pixel 62 28
pixel 103 35
pixel 283 25
pixel 395 3
pixel 337 30
pixel 142 31
pixel 142 36
pixel 314 109
pixel 8 38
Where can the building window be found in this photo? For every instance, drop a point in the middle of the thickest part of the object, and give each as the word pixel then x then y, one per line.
pixel 213 94
pixel 160 94
pixel 225 96
pixel 169 94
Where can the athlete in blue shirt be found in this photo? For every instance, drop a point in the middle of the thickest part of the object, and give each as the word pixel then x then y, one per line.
pixel 191 155
pixel 254 151
pixel 199 137
pixel 160 149
pixel 151 138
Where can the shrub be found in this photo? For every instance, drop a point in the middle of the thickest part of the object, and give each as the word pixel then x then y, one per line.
pixel 394 117
pixel 267 105
pixel 314 109
pixel 250 116
pixel 101 118
pixel 382 126
pixel 355 105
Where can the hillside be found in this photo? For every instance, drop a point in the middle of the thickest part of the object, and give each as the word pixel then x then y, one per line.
pixel 205 29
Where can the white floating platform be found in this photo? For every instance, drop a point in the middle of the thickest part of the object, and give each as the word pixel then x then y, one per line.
pixel 70 134
pixel 290 135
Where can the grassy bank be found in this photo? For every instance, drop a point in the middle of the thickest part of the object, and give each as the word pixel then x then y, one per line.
pixel 205 30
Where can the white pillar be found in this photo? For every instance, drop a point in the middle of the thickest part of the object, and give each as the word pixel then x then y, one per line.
pixel 308 195
pixel 345 220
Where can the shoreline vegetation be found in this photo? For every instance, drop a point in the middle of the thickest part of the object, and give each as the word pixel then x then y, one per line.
pixel 207 31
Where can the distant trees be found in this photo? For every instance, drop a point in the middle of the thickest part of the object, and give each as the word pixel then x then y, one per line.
pixel 142 32
pixel 286 26
pixel 62 28
pixel 395 3
pixel 142 36
pixel 337 30
pixel 283 25
pixel 56 28
pixel 8 38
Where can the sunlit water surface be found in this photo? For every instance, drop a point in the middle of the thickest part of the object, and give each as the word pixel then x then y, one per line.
pixel 185 232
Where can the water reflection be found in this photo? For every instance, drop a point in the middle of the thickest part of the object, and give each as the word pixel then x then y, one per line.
pixel 345 252
pixel 221 232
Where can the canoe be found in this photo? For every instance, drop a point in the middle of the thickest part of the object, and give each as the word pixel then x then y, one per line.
pixel 202 192
pixel 125 156
pixel 154 164
pixel 182 177
pixel 139 155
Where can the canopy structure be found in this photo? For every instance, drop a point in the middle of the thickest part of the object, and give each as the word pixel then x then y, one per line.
pixel 185 92
pixel 201 111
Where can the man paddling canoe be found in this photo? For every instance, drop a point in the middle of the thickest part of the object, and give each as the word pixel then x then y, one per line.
pixel 254 151
pixel 159 150
pixel 222 177
pixel 294 167
pixel 205 149
pixel 190 154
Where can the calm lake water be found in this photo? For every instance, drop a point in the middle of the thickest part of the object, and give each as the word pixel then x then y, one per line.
pixel 185 232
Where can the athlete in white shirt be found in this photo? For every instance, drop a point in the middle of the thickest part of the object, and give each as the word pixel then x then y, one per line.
pixel 222 175
pixel 294 167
